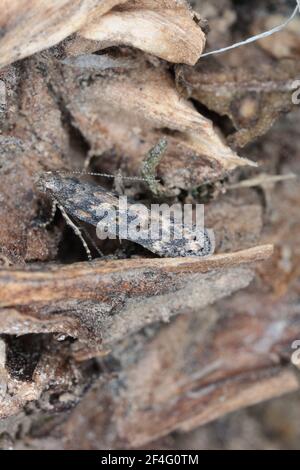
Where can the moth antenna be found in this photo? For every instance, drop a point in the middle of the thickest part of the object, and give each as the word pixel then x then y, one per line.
pixel 104 175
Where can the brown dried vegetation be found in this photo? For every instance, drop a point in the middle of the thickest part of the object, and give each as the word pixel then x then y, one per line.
pixel 135 347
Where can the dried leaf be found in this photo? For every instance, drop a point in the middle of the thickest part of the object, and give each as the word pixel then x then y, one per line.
pixel 163 28
pixel 166 29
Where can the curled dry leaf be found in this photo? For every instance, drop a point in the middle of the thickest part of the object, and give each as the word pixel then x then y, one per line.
pixel 165 28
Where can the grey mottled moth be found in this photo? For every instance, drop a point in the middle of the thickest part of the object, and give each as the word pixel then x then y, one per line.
pixel 81 200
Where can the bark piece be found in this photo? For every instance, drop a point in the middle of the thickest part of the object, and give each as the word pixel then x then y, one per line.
pixel 29 145
pixel 79 300
pixel 194 370
pixel 39 367
pixel 31 26
pixel 166 29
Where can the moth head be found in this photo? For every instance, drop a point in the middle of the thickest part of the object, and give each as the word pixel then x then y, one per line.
pixel 48 182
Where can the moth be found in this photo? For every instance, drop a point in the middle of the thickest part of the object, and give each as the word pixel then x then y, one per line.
pixel 80 200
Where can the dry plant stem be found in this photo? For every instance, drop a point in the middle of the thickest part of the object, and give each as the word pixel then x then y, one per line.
pixel 180 404
pixel 77 300
pixel 262 180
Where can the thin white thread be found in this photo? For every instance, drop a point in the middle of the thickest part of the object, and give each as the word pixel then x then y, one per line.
pixel 258 36
pixel 105 175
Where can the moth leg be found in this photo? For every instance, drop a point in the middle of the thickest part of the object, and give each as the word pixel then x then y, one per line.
pixel 150 164
pixel 76 230
pixel 86 233
pixel 118 183
pixel 88 160
pixel 51 217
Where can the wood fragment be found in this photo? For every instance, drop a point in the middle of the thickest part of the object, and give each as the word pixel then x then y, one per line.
pixel 77 300
pixel 174 34
pixel 214 376
pixel 166 29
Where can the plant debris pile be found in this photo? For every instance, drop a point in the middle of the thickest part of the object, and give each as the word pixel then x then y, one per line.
pixel 132 350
